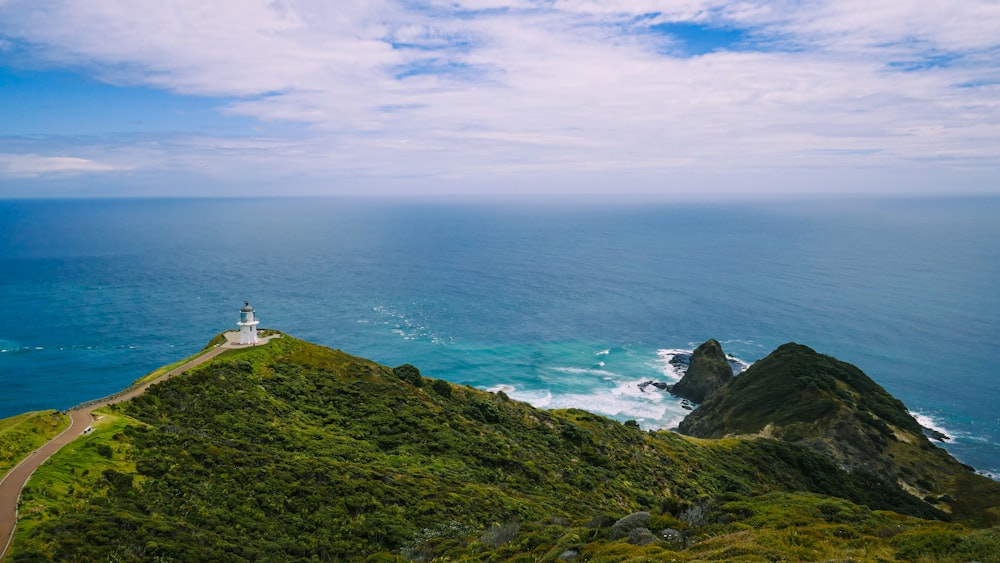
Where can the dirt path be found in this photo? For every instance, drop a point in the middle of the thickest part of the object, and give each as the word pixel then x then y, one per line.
pixel 80 420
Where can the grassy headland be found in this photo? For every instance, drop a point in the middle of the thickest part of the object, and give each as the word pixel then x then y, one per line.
pixel 292 451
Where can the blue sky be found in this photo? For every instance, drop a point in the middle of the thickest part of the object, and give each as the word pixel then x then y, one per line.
pixel 688 99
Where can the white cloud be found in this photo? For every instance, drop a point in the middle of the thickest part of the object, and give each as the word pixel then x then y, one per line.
pixel 392 89
pixel 33 165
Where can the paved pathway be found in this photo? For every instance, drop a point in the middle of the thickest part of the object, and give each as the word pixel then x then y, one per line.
pixel 80 420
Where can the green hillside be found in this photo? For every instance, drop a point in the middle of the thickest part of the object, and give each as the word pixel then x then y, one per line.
pixel 20 435
pixel 831 407
pixel 295 452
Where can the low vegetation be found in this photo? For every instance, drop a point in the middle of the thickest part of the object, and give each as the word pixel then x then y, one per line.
pixel 20 435
pixel 295 452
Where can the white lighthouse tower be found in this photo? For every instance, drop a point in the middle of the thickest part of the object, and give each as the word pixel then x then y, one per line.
pixel 248 325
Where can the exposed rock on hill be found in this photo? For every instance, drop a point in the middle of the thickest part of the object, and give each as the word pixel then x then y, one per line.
pixel 708 370
pixel 831 407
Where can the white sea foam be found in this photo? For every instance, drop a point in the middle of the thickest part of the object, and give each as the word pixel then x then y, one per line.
pixel 611 404
pixel 578 371
pixel 740 366
pixel 669 370
pixel 991 474
pixel 971 438
pixel 632 389
pixel 538 398
pixel 614 392
pixel 404 326
pixel 620 397
pixel 508 389
pixel 927 422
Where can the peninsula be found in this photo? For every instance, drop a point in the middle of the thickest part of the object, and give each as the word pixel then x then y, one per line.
pixel 292 451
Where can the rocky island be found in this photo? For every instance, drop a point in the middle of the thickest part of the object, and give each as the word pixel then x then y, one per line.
pixel 707 370
pixel 291 451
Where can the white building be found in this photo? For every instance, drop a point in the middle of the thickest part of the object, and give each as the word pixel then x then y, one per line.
pixel 248 325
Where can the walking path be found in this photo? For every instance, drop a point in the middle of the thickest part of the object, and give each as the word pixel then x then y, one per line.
pixel 80 420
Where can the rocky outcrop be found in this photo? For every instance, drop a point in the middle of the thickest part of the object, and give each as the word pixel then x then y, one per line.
pixel 708 370
pixel 661 385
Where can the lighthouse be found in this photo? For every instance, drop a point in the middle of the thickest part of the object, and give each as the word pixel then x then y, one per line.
pixel 248 325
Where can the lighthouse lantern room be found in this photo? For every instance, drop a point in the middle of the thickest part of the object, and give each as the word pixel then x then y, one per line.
pixel 248 325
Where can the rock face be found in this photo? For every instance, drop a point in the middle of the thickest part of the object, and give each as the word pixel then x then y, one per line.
pixel 708 370
pixel 799 396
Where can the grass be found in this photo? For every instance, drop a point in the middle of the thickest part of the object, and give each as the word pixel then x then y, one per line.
pixel 67 480
pixel 24 433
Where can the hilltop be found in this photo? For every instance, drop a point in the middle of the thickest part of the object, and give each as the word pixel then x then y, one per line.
pixel 292 451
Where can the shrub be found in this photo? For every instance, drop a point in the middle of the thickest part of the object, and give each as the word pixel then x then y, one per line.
pixel 640 536
pixel 697 515
pixel 925 543
pixel 484 410
pixel 441 387
pixel 118 481
pixel 572 433
pixel 600 521
pixel 408 373
pixel 624 526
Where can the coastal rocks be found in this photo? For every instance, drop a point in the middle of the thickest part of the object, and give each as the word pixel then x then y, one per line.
pixel 707 371
pixel 935 434
pixel 662 386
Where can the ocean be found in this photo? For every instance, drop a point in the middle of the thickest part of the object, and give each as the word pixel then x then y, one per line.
pixel 558 303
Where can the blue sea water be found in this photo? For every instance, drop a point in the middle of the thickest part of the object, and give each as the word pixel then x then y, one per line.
pixel 554 303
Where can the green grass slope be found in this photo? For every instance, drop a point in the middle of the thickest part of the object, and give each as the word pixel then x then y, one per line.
pixel 295 452
pixel 22 434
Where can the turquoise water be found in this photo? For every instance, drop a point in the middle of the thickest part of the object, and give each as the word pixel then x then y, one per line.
pixel 559 305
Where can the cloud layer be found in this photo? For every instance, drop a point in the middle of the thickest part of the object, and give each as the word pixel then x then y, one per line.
pixel 486 95
pixel 33 165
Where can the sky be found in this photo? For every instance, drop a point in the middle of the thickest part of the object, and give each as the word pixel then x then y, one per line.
pixel 686 99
